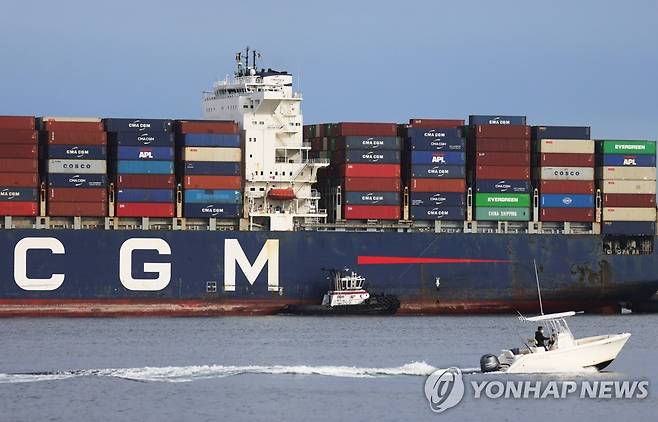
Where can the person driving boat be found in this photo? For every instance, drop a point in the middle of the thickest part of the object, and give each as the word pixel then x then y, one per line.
pixel 540 338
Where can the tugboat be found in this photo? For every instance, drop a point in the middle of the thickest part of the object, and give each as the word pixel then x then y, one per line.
pixel 347 295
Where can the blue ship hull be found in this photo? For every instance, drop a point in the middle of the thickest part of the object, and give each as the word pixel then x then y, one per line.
pixel 105 272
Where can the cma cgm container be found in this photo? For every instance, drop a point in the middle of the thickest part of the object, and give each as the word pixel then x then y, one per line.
pixel 19 171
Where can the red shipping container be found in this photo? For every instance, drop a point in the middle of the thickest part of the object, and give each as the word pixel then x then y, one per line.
pixel 503 158
pixel 18 209
pixel 77 209
pixel 18 151
pixel 12 136
pixel 583 187
pixel 70 126
pixel 435 123
pixel 371 212
pixel 381 184
pixel 21 180
pixel 502 131
pixel 77 195
pixel 213 182
pixel 567 160
pixel 438 185
pixel 370 170
pixel 365 129
pixel 501 145
pixel 138 209
pixel 502 172
pixel 62 137
pixel 629 200
pixel 145 181
pixel 206 126
pixel 567 214
pixel 18 122
pixel 19 165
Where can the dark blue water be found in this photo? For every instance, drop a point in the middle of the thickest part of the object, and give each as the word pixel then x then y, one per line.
pixel 286 368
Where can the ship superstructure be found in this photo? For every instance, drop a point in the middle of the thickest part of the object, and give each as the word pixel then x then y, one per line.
pixel 278 173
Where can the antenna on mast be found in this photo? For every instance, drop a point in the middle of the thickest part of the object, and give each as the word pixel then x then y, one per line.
pixel 541 306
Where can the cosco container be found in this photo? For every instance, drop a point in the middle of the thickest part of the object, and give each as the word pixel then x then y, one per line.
pixel 628 147
pixel 626 173
pixel 438 171
pixel 437 213
pixel 370 170
pixel 567 146
pixel 629 214
pixel 77 180
pixel 17 194
pixel 211 210
pixel 502 159
pixel 629 160
pixel 502 145
pixel 145 195
pixel 434 199
pixel 506 172
pixel 212 182
pixel 629 228
pixel 220 196
pixel 583 187
pixel 369 142
pixel 566 160
pixel 446 134
pixel 153 139
pixel 558 200
pixel 438 157
pixel 378 184
pixel 138 125
pixel 438 185
pixel 502 214
pixel 206 126
pixel 18 151
pixel 567 214
pixel 145 181
pixel 371 198
pixel 225 140
pixel 77 195
pixel 87 152
pixel 629 200
pixel 371 212
pixel 436 144
pixel 566 173
pixel 12 136
pixel 212 154
pixel 18 209
pixel 77 166
pixel 485 119
pixel 144 209
pixel 145 167
pixel 76 209
pixel 628 186
pixel 77 138
pixel 366 157
pixel 145 153
pixel 561 132
pixel 211 168
pixel 502 186
pixel 518 200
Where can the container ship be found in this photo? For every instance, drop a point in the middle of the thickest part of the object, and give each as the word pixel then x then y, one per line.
pixel 240 212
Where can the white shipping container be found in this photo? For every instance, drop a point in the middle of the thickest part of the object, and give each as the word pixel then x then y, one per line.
pixel 567 146
pixel 77 166
pixel 628 186
pixel 71 119
pixel 626 173
pixel 566 173
pixel 629 214
pixel 212 154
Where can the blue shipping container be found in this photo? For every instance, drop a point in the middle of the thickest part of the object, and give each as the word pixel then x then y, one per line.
pixel 629 227
pixel 18 194
pixel 204 196
pixel 77 180
pixel 443 172
pixel 450 158
pixel 371 198
pixel 145 167
pixel 560 200
pixel 446 134
pixel 502 186
pixel 210 140
pixel 438 213
pixel 87 152
pixel 443 199
pixel 369 156
pixel 154 139
pixel 560 132
pixel 436 144
pixel 138 125
pixel 629 160
pixel 211 168
pixel 368 142
pixel 484 119
pixel 211 210
pixel 145 195
pixel 145 153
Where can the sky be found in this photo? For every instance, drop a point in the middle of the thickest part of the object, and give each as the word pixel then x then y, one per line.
pixel 558 62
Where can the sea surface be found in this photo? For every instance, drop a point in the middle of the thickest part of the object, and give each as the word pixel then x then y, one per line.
pixel 291 369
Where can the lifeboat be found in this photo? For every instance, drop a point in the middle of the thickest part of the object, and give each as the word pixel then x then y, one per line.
pixel 281 194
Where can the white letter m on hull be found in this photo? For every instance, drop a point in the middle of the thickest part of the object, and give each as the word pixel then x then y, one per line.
pixel 269 254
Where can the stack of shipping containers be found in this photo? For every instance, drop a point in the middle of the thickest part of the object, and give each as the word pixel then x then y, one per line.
pixel 564 173
pixel 434 169
pixel 211 159
pixel 19 178
pixel 627 178
pixel 500 158
pixel 75 150
pixel 143 166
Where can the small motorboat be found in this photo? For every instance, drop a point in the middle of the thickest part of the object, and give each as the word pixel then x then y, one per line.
pixel 347 295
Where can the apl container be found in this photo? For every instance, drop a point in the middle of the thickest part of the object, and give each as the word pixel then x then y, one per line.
pixel 438 213
pixel 629 228
pixel 68 152
pixel 77 166
pixel 145 153
pixel 211 168
pixel 225 140
pixel 502 186
pixel 629 160
pixel 438 157
pixel 371 198
pixel 502 214
pixel 438 171
pixel 78 180
pixel 437 199
pixel 153 139
pixel 220 196
pixel 556 200
pixel 145 167
pixel 518 200
pixel 643 147
pixel 138 125
pixel 561 132
pixel 145 195
pixel 491 119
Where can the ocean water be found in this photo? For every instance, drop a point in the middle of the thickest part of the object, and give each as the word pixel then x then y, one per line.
pixel 290 368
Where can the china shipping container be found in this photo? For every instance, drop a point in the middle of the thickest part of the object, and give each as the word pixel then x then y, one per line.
pixel 502 145
pixel 566 186
pixel 561 132
pixel 18 122
pixel 438 185
pixel 145 181
pixel 628 186
pixel 79 209
pixel 438 213
pixel 629 227
pixel 628 160
pixel 18 209
pixel 76 138
pixel 87 152
pixel 145 195
pixel 77 194
pixel 566 146
pixel 502 186
pixel 371 198
pixel 566 173
pixel 138 125
pixel 211 168
pixel 141 209
pixel 154 139
pixel 371 212
pixel 629 214
pixel 19 151
pixel 566 200
pixel 506 172
pixel 18 194
pixel 15 136
pixel 503 159
pixel 438 171
pixel 502 214
pixel 626 173
pixel 209 210
pixel 566 214
pixel 629 200
pixel 434 199
pixel 491 119
pixel 370 170
pixel 378 184
pixel 566 160
pixel 515 200
pixel 206 126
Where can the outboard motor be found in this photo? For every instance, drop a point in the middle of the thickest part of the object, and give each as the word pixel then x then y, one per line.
pixel 489 363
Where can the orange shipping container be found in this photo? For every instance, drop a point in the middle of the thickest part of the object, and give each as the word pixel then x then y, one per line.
pixel 438 185
pixel 213 182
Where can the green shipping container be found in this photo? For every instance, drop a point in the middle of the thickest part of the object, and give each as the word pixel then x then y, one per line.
pixel 502 200
pixel 502 214
pixel 613 146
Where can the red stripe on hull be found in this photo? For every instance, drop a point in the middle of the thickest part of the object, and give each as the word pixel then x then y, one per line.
pixel 375 260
